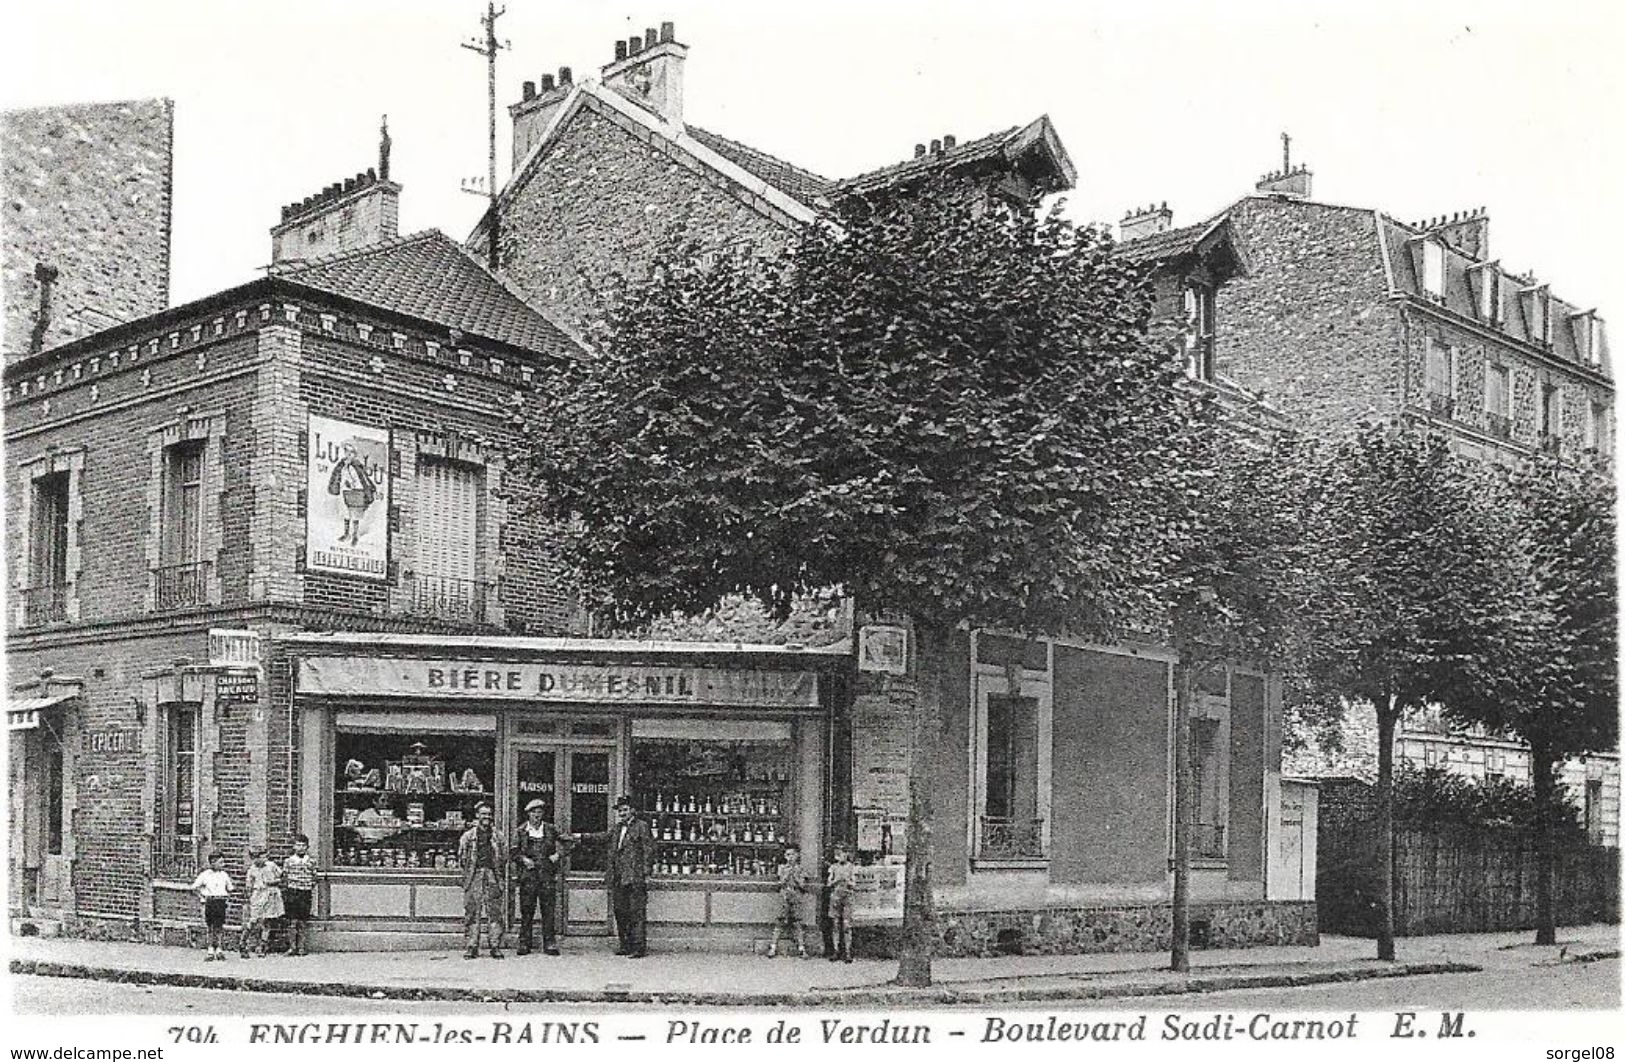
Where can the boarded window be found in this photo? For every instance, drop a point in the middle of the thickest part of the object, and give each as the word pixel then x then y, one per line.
pixel 48 550
pixel 183 503
pixel 448 519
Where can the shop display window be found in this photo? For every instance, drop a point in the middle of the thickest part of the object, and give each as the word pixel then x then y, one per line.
pixel 716 807
pixel 401 801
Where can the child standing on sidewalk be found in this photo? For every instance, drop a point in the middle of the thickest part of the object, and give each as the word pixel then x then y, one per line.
pixel 842 884
pixel 793 884
pixel 264 899
pixel 212 886
pixel 298 885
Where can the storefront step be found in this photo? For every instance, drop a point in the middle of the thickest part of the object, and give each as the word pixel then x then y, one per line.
pixel 448 936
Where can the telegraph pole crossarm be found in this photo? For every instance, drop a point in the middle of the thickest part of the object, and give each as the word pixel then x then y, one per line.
pixel 489 48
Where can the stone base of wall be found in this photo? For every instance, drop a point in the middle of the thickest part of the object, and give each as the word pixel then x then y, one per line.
pixel 1081 930
pixel 174 934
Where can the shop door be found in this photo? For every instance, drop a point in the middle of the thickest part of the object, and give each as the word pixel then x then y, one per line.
pixel 575 784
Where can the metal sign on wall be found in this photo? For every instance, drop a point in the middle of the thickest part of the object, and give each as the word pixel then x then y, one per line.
pixel 236 689
pixel 555 683
pixel 883 649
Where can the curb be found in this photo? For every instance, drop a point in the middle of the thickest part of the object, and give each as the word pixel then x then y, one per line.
pixel 878 996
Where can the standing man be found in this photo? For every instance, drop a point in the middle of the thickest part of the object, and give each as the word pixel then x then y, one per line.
pixel 482 853
pixel 536 863
pixel 631 854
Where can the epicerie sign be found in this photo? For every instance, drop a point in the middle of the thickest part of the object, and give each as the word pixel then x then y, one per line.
pixel 571 683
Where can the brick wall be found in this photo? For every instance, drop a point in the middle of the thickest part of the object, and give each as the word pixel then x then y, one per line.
pixel 86 188
pixel 602 204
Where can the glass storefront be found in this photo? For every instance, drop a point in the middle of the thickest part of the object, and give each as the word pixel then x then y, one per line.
pixel 401 800
pixel 721 804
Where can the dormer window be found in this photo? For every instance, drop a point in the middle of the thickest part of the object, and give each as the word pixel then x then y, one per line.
pixel 1537 314
pixel 1489 295
pixel 1433 270
pixel 1588 338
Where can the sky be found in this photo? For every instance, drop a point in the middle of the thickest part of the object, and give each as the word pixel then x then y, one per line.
pixel 1417 109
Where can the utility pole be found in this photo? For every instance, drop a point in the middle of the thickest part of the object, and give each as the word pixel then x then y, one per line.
pixel 489 48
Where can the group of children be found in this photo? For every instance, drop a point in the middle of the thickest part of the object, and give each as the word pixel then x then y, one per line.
pixel 795 900
pixel 274 892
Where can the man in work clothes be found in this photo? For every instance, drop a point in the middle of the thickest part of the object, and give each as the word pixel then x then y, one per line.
pixel 536 864
pixel 631 853
pixel 482 853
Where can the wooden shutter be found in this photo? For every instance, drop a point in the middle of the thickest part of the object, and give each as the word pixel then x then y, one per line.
pixel 448 513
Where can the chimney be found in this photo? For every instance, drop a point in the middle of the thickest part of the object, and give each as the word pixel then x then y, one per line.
pixel 1290 183
pixel 356 212
pixel 46 276
pixel 1147 221
pixel 532 113
pixel 919 151
pixel 1468 231
pixel 948 142
pixel 648 70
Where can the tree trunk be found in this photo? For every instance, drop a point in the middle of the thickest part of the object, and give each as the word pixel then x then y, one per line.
pixel 1543 767
pixel 1184 692
pixel 1387 718
pixel 919 921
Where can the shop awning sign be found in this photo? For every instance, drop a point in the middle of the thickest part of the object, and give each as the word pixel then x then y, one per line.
pixel 23 713
pixel 556 683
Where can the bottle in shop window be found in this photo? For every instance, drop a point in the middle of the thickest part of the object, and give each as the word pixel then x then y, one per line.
pixel 660 802
pixel 707 804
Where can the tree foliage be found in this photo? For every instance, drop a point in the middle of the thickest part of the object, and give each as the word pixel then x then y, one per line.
pixel 948 408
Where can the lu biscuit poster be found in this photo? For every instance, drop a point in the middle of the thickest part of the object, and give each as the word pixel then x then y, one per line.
pixel 347 512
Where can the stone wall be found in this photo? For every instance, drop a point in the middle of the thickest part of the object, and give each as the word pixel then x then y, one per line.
pixel 600 206
pixel 1310 328
pixel 1114 928
pixel 87 189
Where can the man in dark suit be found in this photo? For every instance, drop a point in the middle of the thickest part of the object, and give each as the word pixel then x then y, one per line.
pixel 536 856
pixel 630 856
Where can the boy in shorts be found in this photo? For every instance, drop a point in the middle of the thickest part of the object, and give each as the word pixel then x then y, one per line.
pixel 298 885
pixel 842 884
pixel 793 884
pixel 212 886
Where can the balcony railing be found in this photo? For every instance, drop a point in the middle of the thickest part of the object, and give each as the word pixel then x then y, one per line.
pixel 443 597
pixel 175 858
pixel 1207 841
pixel 44 604
pixel 1004 838
pixel 1498 425
pixel 1440 405
pixel 180 586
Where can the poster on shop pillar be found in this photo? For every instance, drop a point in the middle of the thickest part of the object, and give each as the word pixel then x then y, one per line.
pixel 347 499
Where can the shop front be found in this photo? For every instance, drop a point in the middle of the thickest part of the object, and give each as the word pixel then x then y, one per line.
pixel 723 750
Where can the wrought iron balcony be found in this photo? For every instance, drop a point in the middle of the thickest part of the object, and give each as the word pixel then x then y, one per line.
pixel 1498 425
pixel 443 597
pixel 45 604
pixel 1207 841
pixel 175 858
pixel 180 586
pixel 1440 405
pixel 1004 838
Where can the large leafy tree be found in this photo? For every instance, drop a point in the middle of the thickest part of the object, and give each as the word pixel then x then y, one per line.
pixel 944 405
pixel 1232 584
pixel 1559 686
pixel 1409 599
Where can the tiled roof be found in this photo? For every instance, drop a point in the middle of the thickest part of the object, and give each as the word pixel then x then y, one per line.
pixel 986 147
pixel 1161 246
pixel 431 277
pixel 801 185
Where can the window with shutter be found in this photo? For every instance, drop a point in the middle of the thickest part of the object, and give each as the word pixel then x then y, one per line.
pixel 448 550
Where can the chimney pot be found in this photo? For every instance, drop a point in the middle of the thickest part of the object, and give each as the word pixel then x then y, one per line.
pixel 564 76
pixel 936 147
pixel 634 45
pixel 372 174
pixel 651 37
pixel 529 92
pixel 668 31
pixel 919 151
pixel 948 142
pixel 547 82
pixel 620 50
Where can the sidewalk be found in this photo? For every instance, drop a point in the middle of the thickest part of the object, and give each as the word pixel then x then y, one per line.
pixel 709 979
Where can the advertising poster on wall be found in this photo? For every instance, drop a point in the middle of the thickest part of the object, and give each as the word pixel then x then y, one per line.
pixel 347 491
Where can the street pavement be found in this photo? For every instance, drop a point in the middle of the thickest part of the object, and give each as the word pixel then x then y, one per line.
pixel 709 979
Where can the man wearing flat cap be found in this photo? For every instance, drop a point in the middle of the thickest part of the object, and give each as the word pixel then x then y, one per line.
pixel 536 858
pixel 630 857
